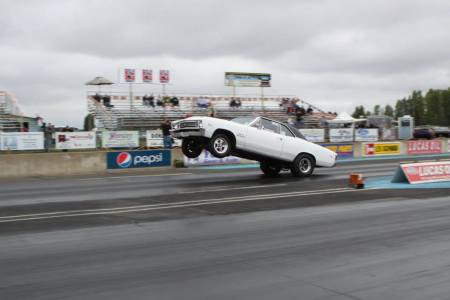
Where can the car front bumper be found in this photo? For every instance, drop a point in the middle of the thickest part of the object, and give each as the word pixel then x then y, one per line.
pixel 182 133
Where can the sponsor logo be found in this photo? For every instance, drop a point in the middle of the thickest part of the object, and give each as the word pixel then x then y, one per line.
pixel 124 160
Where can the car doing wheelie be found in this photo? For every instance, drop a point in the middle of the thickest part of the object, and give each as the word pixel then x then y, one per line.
pixel 274 144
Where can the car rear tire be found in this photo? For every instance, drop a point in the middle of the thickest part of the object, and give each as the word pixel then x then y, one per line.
pixel 270 170
pixel 192 147
pixel 303 165
pixel 220 145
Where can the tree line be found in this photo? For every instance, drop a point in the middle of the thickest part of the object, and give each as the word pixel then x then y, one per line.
pixel 431 109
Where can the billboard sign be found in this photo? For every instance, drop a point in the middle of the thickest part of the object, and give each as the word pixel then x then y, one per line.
pixel 247 79
pixel 424 147
pixel 120 139
pixel 373 149
pixel 21 141
pixel 75 140
pixel 342 150
pixel 341 135
pixel 423 172
pixel 155 139
pixel 314 135
pixel 138 159
pixel 129 75
pixel 147 76
pixel 164 76
pixel 366 135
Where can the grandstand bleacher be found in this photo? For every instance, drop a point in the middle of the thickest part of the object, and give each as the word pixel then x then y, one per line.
pixel 134 115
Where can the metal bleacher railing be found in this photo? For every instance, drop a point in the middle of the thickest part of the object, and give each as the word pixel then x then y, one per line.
pixel 134 115
pixel 7 121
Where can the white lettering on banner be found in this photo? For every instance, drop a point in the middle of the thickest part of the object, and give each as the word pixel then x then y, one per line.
pixel 425 172
pixel 148 159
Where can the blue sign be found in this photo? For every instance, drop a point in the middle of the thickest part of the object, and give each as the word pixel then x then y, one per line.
pixel 138 159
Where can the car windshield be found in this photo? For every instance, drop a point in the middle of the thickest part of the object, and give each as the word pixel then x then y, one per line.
pixel 243 120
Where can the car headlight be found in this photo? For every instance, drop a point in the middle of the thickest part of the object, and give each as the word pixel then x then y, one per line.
pixel 200 123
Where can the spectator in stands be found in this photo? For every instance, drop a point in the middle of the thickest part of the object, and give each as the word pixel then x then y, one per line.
pixel 97 97
pixel 167 139
pixel 107 101
pixel 159 102
pixel 232 103
pixel 148 100
pixel 238 103
pixel 166 101
pixel 203 102
pixel 174 101
pixel 309 110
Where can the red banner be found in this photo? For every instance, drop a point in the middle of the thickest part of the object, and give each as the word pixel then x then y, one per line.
pixel 130 75
pixel 147 75
pixel 424 147
pixel 427 172
pixel 164 76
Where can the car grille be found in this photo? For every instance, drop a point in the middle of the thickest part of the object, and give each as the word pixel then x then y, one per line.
pixel 189 124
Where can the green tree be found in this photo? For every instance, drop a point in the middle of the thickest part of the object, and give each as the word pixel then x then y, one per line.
pixel 389 111
pixel 376 110
pixel 359 112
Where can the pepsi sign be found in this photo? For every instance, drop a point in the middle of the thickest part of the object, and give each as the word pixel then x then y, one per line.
pixel 138 159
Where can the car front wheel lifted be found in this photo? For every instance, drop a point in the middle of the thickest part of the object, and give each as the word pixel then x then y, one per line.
pixel 220 145
pixel 192 147
pixel 303 165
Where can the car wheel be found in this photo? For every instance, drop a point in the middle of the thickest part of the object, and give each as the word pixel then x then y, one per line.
pixel 269 169
pixel 303 165
pixel 192 147
pixel 220 145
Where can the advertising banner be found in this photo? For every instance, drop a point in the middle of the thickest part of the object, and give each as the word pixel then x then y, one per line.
pixel 341 135
pixel 155 139
pixel 314 135
pixel 389 134
pixel 206 158
pixel 21 141
pixel 75 140
pixel 136 76
pixel 147 76
pixel 138 159
pixel 247 79
pixel 342 150
pixel 120 139
pixel 164 76
pixel 423 172
pixel 129 75
pixel 424 147
pixel 366 135
pixel 372 149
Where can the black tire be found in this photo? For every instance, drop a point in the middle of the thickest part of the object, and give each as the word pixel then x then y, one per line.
pixel 220 145
pixel 303 165
pixel 270 170
pixel 192 147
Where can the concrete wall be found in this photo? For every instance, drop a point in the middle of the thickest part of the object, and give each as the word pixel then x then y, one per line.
pixel 51 164
pixel 74 163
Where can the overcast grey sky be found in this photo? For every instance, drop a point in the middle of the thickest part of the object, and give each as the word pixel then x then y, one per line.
pixel 335 53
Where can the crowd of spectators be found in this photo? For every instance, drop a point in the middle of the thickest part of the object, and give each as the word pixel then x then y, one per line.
pixel 160 102
pixel 105 99
pixel 235 103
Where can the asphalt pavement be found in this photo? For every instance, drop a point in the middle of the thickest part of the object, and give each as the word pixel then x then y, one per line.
pixel 223 234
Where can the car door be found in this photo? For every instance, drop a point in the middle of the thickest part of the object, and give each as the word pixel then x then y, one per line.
pixel 291 144
pixel 263 137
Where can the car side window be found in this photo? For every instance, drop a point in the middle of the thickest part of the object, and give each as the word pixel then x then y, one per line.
pixel 285 131
pixel 270 126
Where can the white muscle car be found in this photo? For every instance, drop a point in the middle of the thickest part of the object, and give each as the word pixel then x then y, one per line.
pixel 274 144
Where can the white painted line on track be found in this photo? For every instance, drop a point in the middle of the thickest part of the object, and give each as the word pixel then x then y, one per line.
pixel 160 206
pixel 225 188
pixel 133 176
